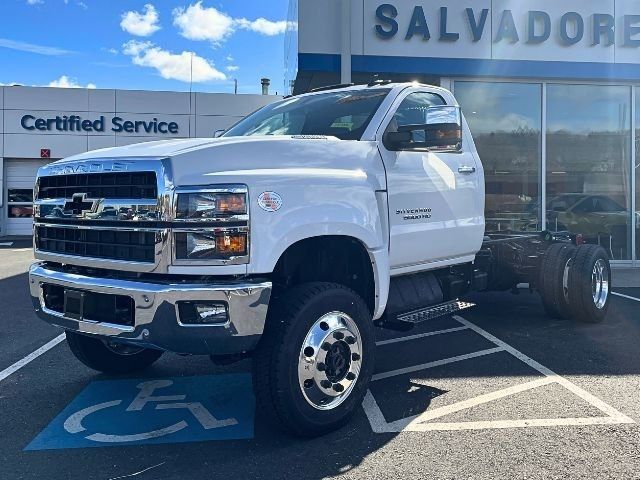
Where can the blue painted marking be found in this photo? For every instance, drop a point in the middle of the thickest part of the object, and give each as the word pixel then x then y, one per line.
pixel 153 411
pixel 314 62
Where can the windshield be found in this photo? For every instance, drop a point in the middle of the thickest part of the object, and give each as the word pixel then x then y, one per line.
pixel 344 114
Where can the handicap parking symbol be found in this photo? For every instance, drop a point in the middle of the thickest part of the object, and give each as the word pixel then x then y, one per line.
pixel 152 411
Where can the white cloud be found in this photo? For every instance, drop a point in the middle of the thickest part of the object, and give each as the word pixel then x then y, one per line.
pixel 196 22
pixel 68 82
pixel 141 24
pixel 171 65
pixel 263 26
pixel 35 2
pixel 203 23
pixel 32 47
pixel 83 5
pixel 230 58
pixel 233 68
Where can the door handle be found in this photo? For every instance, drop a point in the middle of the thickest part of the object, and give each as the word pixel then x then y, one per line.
pixel 467 170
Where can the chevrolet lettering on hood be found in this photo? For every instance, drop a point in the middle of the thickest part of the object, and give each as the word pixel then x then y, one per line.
pixel 87 168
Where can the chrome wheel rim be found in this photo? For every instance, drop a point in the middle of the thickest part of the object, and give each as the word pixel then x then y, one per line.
pixel 565 280
pixel 600 284
pixel 122 348
pixel 330 360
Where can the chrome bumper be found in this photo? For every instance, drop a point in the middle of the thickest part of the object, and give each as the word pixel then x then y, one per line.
pixel 156 311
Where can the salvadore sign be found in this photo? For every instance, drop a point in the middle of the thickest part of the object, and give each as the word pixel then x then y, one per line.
pixel 537 29
pixel 78 124
pixel 605 31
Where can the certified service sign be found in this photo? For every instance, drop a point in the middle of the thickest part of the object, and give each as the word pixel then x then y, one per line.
pixel 270 201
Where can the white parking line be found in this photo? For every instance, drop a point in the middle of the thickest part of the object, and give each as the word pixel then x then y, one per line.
pixel 420 335
pixel 29 358
pixel 423 423
pixel 472 402
pixel 625 296
pixel 437 363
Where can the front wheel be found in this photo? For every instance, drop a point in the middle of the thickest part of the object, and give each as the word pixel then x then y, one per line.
pixel 109 357
pixel 315 360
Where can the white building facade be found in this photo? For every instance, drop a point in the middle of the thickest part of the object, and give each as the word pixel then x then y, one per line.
pixel 40 125
pixel 551 91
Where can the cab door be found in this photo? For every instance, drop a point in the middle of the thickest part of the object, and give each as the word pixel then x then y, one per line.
pixel 436 198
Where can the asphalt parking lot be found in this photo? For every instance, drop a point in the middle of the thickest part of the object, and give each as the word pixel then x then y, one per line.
pixel 499 392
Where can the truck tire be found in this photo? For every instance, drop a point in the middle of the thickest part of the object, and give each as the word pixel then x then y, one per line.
pixel 553 281
pixel 590 284
pixel 112 359
pixel 314 363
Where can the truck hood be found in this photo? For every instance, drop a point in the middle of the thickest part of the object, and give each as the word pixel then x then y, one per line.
pixel 157 149
pixel 206 161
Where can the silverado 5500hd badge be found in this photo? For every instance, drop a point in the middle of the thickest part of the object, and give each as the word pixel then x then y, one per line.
pixel 414 213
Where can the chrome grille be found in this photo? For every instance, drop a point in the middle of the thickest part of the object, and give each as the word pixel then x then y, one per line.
pixel 104 214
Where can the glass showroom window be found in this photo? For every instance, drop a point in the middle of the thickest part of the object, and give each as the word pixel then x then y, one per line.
pixel 506 122
pixel 588 163
pixel 20 203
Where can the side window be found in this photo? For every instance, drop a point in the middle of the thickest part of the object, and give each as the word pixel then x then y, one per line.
pixel 413 111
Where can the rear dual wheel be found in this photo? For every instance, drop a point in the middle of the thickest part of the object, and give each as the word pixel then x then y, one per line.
pixel 590 284
pixel 553 283
pixel 575 282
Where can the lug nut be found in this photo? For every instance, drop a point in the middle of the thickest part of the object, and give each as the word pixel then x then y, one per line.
pixel 338 335
pixel 325 384
pixel 351 376
pixel 321 367
pixel 350 340
pixel 338 388
pixel 355 357
pixel 326 346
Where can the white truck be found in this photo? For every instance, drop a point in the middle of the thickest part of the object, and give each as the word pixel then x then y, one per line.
pixel 288 239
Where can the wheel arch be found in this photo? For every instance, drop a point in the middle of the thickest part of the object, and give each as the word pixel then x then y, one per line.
pixel 341 259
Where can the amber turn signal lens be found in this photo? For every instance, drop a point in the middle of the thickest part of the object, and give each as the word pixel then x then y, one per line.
pixel 231 244
pixel 231 203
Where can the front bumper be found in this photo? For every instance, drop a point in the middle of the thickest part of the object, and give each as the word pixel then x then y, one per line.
pixel 156 323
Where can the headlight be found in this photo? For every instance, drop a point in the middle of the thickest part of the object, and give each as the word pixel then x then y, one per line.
pixel 210 246
pixel 210 205
pixel 212 225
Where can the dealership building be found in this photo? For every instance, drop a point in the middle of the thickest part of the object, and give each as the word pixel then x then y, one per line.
pixel 40 125
pixel 551 91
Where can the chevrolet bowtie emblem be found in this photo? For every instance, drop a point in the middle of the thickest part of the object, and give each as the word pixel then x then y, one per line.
pixel 79 204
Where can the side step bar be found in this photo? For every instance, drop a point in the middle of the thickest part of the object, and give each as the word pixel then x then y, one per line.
pixel 407 321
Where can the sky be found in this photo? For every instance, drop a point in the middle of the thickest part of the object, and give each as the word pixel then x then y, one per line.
pixel 147 45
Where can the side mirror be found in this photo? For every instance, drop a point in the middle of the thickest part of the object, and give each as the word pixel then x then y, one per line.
pixel 218 133
pixel 444 129
pixel 441 133
pixel 398 140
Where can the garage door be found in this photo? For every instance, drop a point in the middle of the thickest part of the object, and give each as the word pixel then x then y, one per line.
pixel 19 177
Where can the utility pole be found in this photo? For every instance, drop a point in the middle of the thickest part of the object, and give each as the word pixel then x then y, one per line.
pixel 235 86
